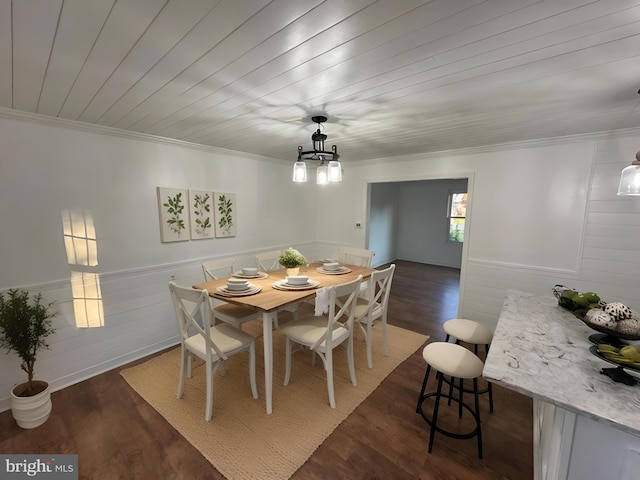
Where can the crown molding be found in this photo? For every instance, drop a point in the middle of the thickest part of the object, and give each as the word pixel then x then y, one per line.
pixel 117 132
pixel 538 142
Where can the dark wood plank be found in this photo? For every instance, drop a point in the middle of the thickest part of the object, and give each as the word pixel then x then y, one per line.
pixel 117 435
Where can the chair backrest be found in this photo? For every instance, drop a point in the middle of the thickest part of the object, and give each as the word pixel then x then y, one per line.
pixel 342 302
pixel 268 261
pixel 214 269
pixel 193 313
pixel 379 288
pixel 355 256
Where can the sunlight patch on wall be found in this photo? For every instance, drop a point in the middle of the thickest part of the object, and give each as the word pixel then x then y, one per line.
pixel 87 300
pixel 81 246
pixel 80 238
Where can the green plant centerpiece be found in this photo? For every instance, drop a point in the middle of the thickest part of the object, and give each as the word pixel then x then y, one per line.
pixel 292 260
pixel 25 323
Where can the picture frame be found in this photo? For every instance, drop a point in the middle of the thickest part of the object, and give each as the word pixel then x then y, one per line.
pixel 225 214
pixel 201 214
pixel 173 207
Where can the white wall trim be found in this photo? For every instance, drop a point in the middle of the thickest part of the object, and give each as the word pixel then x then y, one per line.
pixel 523 144
pixel 64 283
pixel 117 132
pixel 77 377
pixel 524 268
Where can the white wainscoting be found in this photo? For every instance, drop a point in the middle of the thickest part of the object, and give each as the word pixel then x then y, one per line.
pixel 609 263
pixel 138 320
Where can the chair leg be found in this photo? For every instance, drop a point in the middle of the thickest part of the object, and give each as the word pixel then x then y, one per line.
pixel 460 402
pixel 183 367
pixel 490 396
pixel 287 372
pixel 352 368
pixel 189 363
pixel 385 348
pixel 368 340
pixel 329 367
pixel 486 352
pixel 477 404
pixel 450 395
pixel 424 386
pixel 252 369
pixel 434 419
pixel 209 409
pixel 275 321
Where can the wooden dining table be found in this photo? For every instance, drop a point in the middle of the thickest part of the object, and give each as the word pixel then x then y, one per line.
pixel 270 300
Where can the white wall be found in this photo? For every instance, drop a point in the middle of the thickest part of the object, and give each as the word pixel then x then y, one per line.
pixel 383 223
pixel 561 223
pixel 422 232
pixel 540 215
pixel 46 169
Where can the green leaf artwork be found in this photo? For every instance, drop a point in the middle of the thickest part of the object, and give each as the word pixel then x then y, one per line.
pixel 174 219
pixel 225 217
pixel 175 207
pixel 202 214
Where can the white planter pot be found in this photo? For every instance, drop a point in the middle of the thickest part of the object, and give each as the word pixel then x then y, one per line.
pixel 31 412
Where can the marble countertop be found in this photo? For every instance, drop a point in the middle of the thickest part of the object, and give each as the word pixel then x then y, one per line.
pixel 542 350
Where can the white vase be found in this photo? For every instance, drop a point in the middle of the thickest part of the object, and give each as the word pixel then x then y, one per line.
pixel 33 411
pixel 292 272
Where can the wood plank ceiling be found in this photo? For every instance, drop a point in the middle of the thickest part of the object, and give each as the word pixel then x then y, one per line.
pixel 395 77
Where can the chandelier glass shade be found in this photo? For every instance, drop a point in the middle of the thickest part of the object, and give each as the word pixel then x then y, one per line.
pixel 329 170
pixel 630 179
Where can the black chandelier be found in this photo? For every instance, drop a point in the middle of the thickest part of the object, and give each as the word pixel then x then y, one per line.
pixel 330 170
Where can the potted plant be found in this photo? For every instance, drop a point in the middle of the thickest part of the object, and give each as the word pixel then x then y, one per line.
pixel 25 323
pixel 292 260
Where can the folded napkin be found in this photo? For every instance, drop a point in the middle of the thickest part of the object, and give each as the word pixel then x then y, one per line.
pixel 322 301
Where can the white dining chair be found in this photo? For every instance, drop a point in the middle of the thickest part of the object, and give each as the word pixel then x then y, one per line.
pixel 373 306
pixel 355 256
pixel 322 334
pixel 213 344
pixel 268 261
pixel 236 315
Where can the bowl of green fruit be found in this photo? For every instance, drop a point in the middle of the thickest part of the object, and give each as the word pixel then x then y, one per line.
pixel 627 356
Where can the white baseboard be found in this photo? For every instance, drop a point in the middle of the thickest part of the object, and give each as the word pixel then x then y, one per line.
pixel 77 377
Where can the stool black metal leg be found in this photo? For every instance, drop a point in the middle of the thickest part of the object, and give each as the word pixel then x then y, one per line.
pixel 477 403
pixel 432 434
pixel 486 352
pixel 460 403
pixel 490 396
pixel 424 385
pixel 450 396
pixel 447 338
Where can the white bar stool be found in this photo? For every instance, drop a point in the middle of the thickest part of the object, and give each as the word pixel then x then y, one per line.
pixel 475 333
pixel 458 363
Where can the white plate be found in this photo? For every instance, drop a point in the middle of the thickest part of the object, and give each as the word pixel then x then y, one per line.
pixel 252 290
pixel 340 271
pixel 257 275
pixel 283 285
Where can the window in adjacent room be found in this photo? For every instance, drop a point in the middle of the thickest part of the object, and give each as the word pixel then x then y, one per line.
pixel 457 214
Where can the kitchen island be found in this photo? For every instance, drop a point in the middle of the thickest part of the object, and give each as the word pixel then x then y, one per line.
pixel 585 425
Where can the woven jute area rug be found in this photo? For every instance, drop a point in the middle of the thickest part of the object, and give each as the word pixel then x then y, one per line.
pixel 241 441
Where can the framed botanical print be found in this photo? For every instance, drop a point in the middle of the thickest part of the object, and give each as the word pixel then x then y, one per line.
pixel 201 214
pixel 225 214
pixel 174 219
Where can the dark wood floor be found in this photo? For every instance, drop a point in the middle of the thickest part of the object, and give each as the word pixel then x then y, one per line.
pixel 117 435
